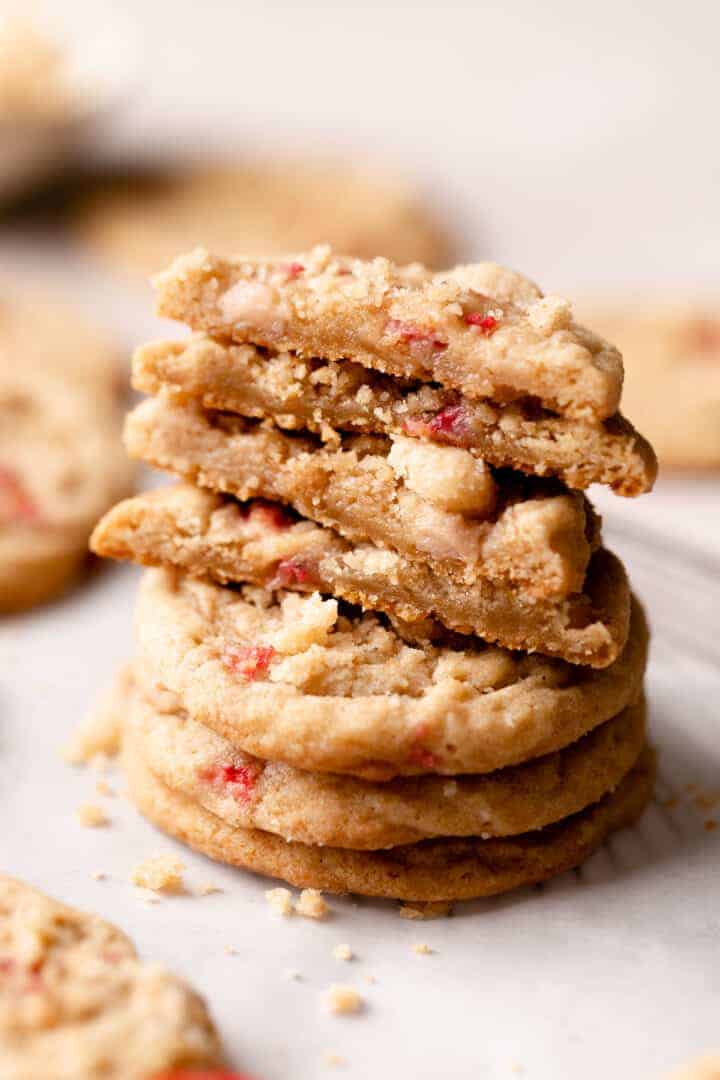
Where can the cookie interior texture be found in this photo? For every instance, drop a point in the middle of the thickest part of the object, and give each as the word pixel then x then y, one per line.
pixel 210 535
pixel 331 398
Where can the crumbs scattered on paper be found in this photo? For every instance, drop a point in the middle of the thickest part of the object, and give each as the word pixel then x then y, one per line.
pixel 161 873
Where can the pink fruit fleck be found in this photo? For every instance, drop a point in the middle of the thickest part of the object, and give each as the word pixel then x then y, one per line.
pixel 298 570
pixel 704 336
pixel 249 661
pixel 424 758
pixel 271 514
pixel 241 779
pixel 422 341
pixel 7 965
pixel 449 425
pixel 15 503
pixel 486 324
pixel 293 269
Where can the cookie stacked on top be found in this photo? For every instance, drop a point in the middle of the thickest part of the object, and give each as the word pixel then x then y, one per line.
pixel 382 649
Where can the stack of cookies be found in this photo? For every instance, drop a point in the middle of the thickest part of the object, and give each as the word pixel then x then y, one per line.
pixel 382 649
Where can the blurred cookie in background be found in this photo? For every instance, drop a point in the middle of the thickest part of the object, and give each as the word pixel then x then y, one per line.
pixel 671 353
pixel 62 462
pixel 141 221
pixel 54 86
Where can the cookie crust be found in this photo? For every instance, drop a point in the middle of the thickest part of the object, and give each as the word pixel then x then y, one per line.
pixel 433 870
pixel 342 692
pixel 342 811
pixel 480 329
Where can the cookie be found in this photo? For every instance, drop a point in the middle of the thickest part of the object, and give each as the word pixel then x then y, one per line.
pixel 42 335
pixel 77 1004
pixel 672 378
pixel 433 870
pixel 482 330
pixel 706 1068
pixel 440 505
pixel 36 87
pixel 342 811
pixel 61 466
pixel 141 223
pixel 298 679
pixel 329 398
pixel 210 535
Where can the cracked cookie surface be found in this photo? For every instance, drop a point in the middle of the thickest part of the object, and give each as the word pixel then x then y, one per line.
pixel 307 681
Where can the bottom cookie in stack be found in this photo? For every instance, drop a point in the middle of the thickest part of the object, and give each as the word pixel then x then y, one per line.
pixel 438 773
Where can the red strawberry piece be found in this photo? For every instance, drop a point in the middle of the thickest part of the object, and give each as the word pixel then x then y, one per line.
pixel 16 505
pixel 239 779
pixel 293 269
pixel 271 514
pixel 422 340
pixel 449 425
pixel 297 570
pixel 486 324
pixel 249 661
pixel 424 758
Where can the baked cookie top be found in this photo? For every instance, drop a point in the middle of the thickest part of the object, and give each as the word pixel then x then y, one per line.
pixel 331 398
pixel 672 384
pixel 77 1004
pixel 344 811
pixel 480 329
pixel 303 680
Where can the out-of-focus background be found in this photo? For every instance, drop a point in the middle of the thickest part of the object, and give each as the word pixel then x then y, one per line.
pixel 576 143
pixel 573 141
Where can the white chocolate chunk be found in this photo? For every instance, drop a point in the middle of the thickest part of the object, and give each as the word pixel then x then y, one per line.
pixel 447 476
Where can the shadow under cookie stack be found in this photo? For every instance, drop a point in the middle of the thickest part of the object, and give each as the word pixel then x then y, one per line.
pixel 381 649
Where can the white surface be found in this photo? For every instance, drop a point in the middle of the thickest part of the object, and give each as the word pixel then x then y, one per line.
pixel 573 142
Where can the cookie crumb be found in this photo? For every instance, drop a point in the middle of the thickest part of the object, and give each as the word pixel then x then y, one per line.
pixel 207 889
pixel 103 788
pixel 98 735
pixel 230 950
pixel 333 1059
pixel 343 1000
pixel 98 875
pixel 422 948
pixel 343 952
pixel 99 762
pixel 280 900
pixel 91 816
pixel 311 904
pixel 292 974
pixel 433 909
pixel 160 873
pixel 370 979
